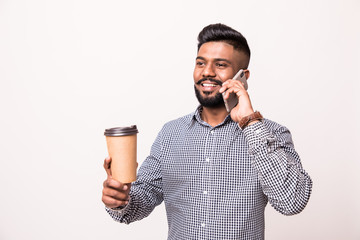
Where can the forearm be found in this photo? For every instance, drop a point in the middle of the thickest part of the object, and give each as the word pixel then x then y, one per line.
pixel 284 181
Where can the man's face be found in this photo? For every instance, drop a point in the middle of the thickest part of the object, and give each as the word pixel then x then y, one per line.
pixel 216 62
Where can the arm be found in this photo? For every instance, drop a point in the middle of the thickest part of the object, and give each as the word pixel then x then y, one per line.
pixel 282 177
pixel 145 193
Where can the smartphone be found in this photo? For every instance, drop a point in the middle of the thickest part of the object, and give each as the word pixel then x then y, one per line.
pixel 232 101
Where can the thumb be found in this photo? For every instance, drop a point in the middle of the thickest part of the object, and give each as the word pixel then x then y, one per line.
pixel 107 166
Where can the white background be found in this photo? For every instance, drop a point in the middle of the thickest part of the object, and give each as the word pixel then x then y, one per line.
pixel 71 68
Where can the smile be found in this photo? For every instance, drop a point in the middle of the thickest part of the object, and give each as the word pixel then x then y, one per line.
pixel 209 85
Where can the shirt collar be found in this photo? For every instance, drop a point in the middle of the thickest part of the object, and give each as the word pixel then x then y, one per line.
pixel 196 116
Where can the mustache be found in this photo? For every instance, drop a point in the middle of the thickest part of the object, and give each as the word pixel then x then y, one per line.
pixel 209 79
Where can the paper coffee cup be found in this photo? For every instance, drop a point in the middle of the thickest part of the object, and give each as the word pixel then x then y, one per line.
pixel 121 145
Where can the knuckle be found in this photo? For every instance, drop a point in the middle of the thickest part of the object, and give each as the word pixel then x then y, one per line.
pixel 106 183
pixel 110 202
pixel 110 182
pixel 105 200
pixel 109 192
pixel 113 193
pixel 105 192
pixel 114 203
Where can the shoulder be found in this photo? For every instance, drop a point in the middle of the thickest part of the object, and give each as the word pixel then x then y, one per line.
pixel 175 128
pixel 178 124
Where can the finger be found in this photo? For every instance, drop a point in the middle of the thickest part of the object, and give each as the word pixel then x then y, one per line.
pixel 234 83
pixel 107 165
pixel 227 93
pixel 224 87
pixel 227 84
pixel 114 184
pixel 225 96
pixel 113 203
pixel 236 87
pixel 116 194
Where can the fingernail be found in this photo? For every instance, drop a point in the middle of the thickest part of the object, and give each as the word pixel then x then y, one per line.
pixel 107 158
pixel 125 187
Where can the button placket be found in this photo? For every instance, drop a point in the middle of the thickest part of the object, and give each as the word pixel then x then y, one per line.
pixel 210 140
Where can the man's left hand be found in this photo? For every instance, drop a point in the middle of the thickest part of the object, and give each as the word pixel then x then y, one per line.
pixel 244 107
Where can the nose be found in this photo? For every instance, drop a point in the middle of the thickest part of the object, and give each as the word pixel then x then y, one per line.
pixel 208 71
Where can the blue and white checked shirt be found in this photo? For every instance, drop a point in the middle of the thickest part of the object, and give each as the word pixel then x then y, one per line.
pixel 216 181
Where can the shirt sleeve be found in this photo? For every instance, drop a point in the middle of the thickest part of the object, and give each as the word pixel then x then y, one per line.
pixel 146 192
pixel 283 179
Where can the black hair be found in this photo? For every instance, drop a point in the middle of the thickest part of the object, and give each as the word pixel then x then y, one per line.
pixel 221 33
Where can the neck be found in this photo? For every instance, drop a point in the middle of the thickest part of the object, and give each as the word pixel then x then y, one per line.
pixel 214 116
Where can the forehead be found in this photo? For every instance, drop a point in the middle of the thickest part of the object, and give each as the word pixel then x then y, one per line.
pixel 220 50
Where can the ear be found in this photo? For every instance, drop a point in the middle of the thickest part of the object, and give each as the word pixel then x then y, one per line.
pixel 247 74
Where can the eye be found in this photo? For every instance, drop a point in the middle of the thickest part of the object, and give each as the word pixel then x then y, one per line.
pixel 221 65
pixel 199 63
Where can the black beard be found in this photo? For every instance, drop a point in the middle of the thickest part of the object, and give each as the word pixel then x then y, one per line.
pixel 210 102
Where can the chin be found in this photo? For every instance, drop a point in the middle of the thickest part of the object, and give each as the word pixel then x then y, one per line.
pixel 210 99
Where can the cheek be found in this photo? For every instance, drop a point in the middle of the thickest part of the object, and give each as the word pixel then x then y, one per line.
pixel 196 74
pixel 224 76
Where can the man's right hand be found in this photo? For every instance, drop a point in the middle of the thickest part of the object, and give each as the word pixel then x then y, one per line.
pixel 115 193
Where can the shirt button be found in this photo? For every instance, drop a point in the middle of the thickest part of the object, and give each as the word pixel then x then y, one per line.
pixel 212 131
pixel 205 192
pixel 203 225
pixel 207 159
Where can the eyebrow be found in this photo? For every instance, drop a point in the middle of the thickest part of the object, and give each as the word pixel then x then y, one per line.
pixel 216 59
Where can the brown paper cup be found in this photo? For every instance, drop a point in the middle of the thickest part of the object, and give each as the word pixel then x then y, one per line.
pixel 121 144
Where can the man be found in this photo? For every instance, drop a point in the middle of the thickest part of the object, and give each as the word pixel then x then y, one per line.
pixel 215 171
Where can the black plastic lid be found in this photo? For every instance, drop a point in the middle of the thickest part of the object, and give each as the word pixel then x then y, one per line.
pixel 121 131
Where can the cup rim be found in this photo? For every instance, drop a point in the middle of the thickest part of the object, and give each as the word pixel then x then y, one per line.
pixel 121 131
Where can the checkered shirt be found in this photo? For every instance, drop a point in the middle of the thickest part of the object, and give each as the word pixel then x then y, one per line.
pixel 216 181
